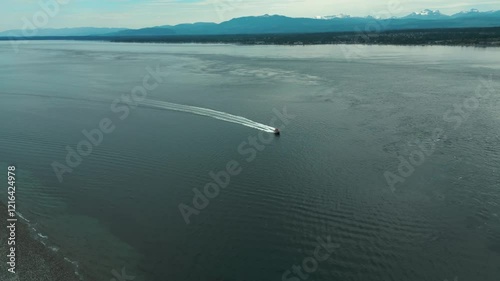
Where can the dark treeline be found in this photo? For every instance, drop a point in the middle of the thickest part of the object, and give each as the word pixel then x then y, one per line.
pixel 453 37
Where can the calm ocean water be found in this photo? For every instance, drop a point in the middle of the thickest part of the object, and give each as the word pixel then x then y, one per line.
pixel 355 119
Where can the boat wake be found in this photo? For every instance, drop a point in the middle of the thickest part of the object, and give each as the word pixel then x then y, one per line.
pixel 209 113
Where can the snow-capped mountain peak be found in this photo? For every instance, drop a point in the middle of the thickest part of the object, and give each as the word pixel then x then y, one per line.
pixel 427 12
pixel 339 16
pixel 471 11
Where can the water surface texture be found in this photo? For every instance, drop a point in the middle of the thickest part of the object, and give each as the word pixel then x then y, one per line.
pixel 355 118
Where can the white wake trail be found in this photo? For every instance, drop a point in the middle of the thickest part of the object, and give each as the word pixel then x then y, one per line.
pixel 210 113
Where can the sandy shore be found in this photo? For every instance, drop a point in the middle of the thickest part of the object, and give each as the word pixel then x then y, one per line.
pixel 34 262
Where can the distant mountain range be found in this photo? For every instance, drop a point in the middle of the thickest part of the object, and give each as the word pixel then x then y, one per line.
pixel 276 24
pixel 78 31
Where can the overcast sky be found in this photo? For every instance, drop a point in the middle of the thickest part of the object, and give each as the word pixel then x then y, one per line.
pixel 144 13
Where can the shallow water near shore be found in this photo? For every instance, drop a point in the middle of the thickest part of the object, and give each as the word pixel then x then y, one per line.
pixel 324 177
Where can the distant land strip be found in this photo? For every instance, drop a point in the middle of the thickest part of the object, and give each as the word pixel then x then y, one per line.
pixel 479 37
